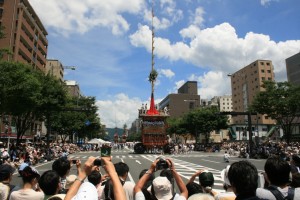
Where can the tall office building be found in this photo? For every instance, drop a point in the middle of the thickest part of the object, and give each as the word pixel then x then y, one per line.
pixel 293 69
pixel 25 34
pixel 187 99
pixel 245 84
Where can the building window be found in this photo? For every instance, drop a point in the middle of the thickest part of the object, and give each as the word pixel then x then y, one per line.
pixel 263 78
pixel 263 71
pixel 269 71
pixel 268 64
pixel 269 78
pixel 266 117
pixel 262 63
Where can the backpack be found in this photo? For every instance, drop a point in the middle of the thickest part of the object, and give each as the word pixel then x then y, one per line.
pixel 279 196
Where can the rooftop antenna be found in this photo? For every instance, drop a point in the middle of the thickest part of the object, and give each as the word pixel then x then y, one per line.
pixel 153 74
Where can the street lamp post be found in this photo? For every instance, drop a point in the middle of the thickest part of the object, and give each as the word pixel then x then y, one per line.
pixel 70 67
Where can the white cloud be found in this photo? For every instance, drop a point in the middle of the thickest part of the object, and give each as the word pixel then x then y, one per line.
pixel 191 32
pixel 169 15
pixel 118 111
pixel 220 49
pixel 266 2
pixel 167 73
pixel 178 84
pixel 79 16
pixel 212 83
pixel 198 16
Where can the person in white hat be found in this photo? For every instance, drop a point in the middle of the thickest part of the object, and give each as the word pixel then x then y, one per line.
pixel 161 186
pixel 228 194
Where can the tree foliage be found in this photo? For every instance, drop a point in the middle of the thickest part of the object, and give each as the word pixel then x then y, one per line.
pixel 27 95
pixel 79 117
pixel 280 101
pixel 203 121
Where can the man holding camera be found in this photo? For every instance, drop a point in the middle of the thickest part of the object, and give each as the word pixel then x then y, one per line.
pixel 161 187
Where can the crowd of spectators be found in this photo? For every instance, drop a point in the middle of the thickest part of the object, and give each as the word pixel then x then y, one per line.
pixel 262 150
pixel 161 181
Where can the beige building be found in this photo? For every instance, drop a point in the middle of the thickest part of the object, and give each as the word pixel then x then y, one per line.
pixel 73 88
pixel 55 68
pixel 245 84
pixel 25 35
pixel 185 100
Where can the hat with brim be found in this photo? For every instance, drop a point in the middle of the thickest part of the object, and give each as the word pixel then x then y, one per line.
pixel 224 175
pixel 162 188
pixel 70 180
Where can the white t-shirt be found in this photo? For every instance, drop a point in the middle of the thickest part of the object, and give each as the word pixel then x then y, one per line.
pixel 225 195
pixel 140 196
pixel 128 188
pixel 266 194
pixel 4 191
pixel 26 194
pixel 86 191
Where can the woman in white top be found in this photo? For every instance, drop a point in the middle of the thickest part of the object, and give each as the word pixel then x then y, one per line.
pixel 29 191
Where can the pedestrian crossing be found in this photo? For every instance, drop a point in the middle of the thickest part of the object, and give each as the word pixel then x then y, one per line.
pixel 136 156
pixel 184 168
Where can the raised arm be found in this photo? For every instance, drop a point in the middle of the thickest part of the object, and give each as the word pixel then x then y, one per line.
pixel 141 182
pixel 82 174
pixel 109 167
pixel 178 179
pixel 192 179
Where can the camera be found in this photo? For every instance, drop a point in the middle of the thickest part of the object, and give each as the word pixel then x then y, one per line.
pixel 97 162
pixel 161 164
pixel 74 161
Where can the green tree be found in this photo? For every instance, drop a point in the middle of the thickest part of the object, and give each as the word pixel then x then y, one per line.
pixel 205 120
pixel 177 126
pixel 27 95
pixel 19 90
pixel 79 116
pixel 280 101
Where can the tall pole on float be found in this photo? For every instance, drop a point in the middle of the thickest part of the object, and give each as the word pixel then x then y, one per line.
pixel 153 73
pixel 152 52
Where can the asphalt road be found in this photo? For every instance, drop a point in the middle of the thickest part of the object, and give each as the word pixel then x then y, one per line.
pixel 185 164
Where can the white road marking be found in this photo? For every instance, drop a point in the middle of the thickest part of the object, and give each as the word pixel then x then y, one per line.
pixel 138 161
pixel 211 161
pixel 129 175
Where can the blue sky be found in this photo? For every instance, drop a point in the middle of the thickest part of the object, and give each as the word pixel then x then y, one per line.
pixel 109 41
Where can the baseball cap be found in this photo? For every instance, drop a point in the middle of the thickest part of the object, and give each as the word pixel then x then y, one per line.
pixel 6 169
pixel 224 175
pixel 162 188
pixel 206 179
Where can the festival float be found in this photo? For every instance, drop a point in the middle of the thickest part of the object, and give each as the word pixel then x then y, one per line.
pixel 153 122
